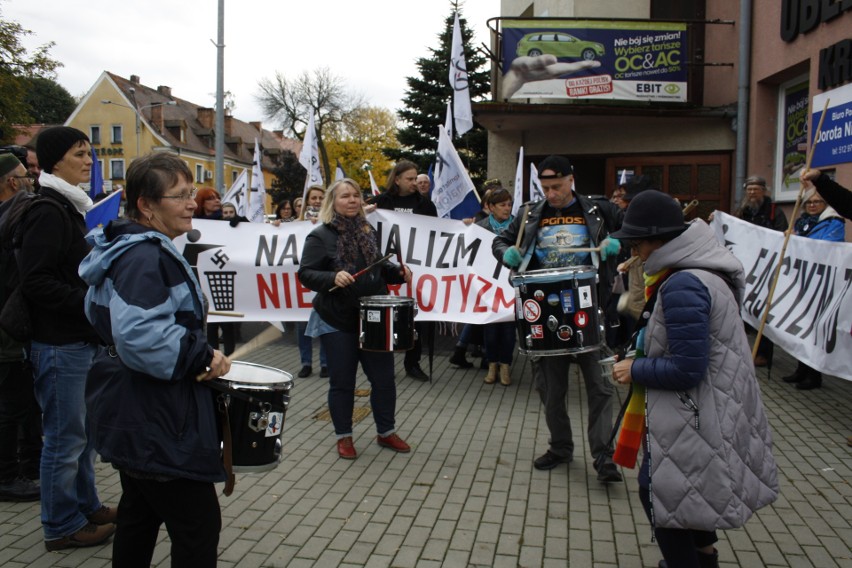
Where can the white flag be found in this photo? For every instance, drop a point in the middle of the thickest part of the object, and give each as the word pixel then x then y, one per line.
pixel 373 187
pixel 459 83
pixel 309 158
pixel 256 207
pixel 339 174
pixel 448 122
pixel 452 184
pixel 536 193
pixel 519 183
pixel 237 194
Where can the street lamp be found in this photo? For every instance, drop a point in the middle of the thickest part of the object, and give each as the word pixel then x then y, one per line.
pixel 138 112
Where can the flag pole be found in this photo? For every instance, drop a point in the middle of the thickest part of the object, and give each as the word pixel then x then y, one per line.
pixel 787 234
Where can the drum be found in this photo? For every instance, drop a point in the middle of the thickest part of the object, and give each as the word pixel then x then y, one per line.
pixel 256 398
pixel 387 323
pixel 557 311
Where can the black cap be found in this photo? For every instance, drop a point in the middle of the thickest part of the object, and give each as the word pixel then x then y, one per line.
pixel 53 143
pixel 651 214
pixel 560 165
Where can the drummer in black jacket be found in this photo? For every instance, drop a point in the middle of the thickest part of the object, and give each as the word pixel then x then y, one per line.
pixel 565 220
pixel 333 254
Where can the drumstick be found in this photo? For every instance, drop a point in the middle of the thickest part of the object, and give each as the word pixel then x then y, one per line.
pixel 629 262
pixel 521 228
pixel 226 314
pixel 262 339
pixel 363 270
pixel 690 206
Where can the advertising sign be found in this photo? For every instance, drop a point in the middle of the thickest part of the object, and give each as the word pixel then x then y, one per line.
pixel 835 138
pixel 793 140
pixel 587 59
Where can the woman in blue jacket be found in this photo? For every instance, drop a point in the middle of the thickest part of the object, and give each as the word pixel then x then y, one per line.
pixel 150 416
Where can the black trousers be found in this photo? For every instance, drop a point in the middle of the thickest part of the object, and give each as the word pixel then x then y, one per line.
pixel 190 511
pixel 20 423
pixel 679 546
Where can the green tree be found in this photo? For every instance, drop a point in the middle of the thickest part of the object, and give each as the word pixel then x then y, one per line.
pixel 289 177
pixel 359 143
pixel 17 65
pixel 48 101
pixel 426 100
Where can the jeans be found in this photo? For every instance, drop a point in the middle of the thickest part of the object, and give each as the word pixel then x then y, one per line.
pixel 678 546
pixel 190 511
pixel 341 392
pixel 68 490
pixel 500 342
pixel 306 347
pixel 20 423
pixel 551 381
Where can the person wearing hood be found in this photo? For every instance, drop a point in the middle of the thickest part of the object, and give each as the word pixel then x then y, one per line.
pixel 708 460
pixel 150 416
pixel 63 341
pixel 818 221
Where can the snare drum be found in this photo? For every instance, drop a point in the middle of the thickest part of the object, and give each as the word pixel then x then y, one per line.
pixel 256 425
pixel 387 323
pixel 557 311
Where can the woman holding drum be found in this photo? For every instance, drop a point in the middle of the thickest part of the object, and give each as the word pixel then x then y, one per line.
pixel 149 414
pixel 334 255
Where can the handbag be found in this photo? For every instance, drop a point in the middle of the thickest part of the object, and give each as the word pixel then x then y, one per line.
pixel 15 317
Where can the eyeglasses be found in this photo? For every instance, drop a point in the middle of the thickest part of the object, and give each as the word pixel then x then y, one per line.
pixel 31 178
pixel 183 195
pixel 814 202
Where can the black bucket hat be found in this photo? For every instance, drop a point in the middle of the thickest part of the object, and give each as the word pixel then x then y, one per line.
pixel 652 214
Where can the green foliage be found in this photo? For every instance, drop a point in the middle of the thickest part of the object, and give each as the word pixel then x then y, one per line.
pixel 426 100
pixel 48 101
pixel 289 177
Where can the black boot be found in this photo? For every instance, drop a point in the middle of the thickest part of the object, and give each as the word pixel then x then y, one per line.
pixel 708 560
pixel 813 380
pixel 799 375
pixel 458 358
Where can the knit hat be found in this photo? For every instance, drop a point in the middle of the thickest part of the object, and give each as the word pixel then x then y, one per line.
pixel 560 165
pixel 53 143
pixel 652 214
pixel 8 163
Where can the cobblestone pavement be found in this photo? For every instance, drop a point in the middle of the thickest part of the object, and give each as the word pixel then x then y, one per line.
pixel 467 494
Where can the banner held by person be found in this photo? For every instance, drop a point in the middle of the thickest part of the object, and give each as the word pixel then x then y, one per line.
pixel 454 195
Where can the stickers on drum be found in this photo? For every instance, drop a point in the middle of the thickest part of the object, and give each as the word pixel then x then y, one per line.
pixel 538 295
pixel 568 322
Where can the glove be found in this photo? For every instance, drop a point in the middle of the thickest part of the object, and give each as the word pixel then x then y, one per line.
pixel 234 221
pixel 610 247
pixel 512 257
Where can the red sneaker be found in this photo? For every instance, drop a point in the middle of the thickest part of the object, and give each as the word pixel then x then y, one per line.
pixel 346 449
pixel 393 442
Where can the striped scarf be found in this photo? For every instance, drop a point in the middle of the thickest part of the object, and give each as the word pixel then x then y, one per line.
pixel 633 424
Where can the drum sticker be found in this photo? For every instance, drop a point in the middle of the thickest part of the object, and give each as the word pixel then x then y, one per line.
pixel 553 299
pixel 276 420
pixel 581 319
pixel 537 331
pixel 567 302
pixel 585 294
pixel 532 310
pixel 564 333
pixel 538 295
pixel 374 315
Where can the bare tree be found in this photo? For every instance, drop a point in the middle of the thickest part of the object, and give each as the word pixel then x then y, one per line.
pixel 321 93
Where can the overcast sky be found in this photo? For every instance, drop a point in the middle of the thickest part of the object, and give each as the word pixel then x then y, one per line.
pixel 372 44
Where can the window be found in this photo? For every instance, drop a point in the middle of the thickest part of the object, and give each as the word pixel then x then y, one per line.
pixel 234 175
pixel 95 135
pixel 116 169
pixel 117 137
pixel 199 173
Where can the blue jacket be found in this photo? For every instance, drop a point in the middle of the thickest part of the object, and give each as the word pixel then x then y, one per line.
pixel 146 411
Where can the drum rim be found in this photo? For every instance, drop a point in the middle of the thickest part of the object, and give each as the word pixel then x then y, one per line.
pixel 539 275
pixel 555 352
pixel 288 378
pixel 384 300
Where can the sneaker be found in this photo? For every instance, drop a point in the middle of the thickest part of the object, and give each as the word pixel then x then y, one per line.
pixel 103 516
pixel 346 449
pixel 20 491
pixel 550 460
pixel 90 535
pixel 608 473
pixel 323 372
pixel 306 371
pixel 416 373
pixel 393 442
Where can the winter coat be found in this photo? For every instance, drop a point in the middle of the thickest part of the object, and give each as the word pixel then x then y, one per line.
pixel 422 205
pixel 835 195
pixel 768 215
pixel 829 227
pixel 147 413
pixel 709 443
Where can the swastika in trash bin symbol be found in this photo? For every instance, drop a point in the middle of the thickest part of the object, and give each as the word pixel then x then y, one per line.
pixel 222 289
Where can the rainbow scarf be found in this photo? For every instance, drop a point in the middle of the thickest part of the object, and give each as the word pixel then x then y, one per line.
pixel 633 423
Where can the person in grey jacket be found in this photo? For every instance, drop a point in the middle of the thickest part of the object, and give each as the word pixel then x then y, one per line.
pixel 708 460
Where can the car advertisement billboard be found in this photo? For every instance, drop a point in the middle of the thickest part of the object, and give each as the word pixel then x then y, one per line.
pixel 589 59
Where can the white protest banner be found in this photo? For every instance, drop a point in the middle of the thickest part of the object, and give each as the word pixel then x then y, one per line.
pixel 237 194
pixel 811 312
pixel 519 182
pixel 452 184
pixel 251 269
pixel 256 208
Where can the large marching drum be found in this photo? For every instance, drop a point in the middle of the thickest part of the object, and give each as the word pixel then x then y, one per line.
pixel 386 323
pixel 557 311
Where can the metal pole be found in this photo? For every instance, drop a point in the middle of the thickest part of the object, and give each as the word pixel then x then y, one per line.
pixel 743 93
pixel 138 126
pixel 220 102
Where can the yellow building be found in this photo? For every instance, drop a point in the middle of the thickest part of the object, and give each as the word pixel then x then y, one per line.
pixel 125 119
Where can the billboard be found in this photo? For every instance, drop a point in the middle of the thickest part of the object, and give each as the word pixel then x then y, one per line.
pixel 835 138
pixel 589 59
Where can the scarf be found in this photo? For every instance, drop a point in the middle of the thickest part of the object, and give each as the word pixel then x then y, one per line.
pixel 805 224
pixel 355 237
pixel 75 194
pixel 633 424
pixel 498 227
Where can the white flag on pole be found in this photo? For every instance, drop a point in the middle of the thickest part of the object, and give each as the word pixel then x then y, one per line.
pixel 536 193
pixel 373 187
pixel 236 195
pixel 519 183
pixel 448 122
pixel 459 83
pixel 309 158
pixel 339 174
pixel 256 208
pixel 452 184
